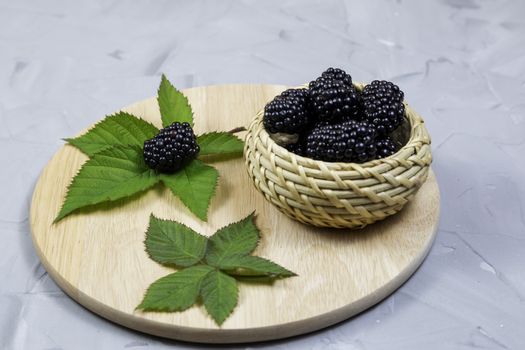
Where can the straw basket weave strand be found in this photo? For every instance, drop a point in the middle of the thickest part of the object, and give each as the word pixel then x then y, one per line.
pixel 339 195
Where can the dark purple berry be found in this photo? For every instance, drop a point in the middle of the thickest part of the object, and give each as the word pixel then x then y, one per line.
pixel 333 97
pixel 348 141
pixel 338 74
pixel 385 147
pixel 297 148
pixel 172 148
pixel 287 113
pixel 383 105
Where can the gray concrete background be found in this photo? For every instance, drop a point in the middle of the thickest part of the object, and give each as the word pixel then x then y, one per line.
pixel 65 64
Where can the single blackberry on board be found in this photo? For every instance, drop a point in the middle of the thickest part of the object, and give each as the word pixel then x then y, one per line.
pixel 383 105
pixel 287 113
pixel 350 141
pixel 332 99
pixel 385 147
pixel 172 148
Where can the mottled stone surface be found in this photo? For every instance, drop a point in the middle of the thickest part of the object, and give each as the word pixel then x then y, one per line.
pixel 65 64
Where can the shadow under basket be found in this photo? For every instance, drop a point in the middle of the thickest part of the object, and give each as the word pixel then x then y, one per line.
pixel 339 195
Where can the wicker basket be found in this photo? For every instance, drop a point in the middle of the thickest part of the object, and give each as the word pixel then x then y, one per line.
pixel 340 195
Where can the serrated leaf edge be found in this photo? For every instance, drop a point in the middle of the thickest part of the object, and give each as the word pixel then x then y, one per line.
pixel 271 275
pixel 251 216
pixel 116 114
pixel 140 307
pixel 219 323
pixel 61 217
pixel 162 79
pixel 171 265
pixel 221 154
pixel 205 217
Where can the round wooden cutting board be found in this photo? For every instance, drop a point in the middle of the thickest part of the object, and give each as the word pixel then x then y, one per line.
pixel 98 257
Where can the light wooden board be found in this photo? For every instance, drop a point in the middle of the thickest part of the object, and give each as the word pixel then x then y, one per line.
pixel 98 257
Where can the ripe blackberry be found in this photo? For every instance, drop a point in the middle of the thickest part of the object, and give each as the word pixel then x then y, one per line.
pixel 332 99
pixel 349 141
pixel 338 74
pixel 385 147
pixel 287 113
pixel 297 148
pixel 383 105
pixel 172 148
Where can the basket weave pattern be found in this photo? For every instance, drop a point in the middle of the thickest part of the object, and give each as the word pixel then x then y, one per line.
pixel 340 195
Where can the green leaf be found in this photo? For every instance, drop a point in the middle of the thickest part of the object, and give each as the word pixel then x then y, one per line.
pixel 112 174
pixel 195 186
pixel 219 294
pixel 220 143
pixel 173 105
pixel 177 291
pixel 119 129
pixel 172 243
pixel 216 283
pixel 239 238
pixel 249 265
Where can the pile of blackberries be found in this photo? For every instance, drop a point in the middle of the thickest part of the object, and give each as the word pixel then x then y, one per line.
pixel 335 122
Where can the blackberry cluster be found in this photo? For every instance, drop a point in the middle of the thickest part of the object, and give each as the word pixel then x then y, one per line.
pixel 287 113
pixel 383 105
pixel 336 122
pixel 350 141
pixel 172 148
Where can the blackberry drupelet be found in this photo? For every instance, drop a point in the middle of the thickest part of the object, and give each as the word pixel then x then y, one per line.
pixel 172 148
pixel 383 105
pixel 333 100
pixel 287 113
pixel 385 147
pixel 349 141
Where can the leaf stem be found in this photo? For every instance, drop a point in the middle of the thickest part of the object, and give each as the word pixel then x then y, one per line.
pixel 236 130
pixel 245 273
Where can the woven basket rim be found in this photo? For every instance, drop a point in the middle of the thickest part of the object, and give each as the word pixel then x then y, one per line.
pixel 412 117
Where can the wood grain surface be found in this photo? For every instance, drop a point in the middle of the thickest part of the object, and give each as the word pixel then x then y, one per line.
pixel 97 256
